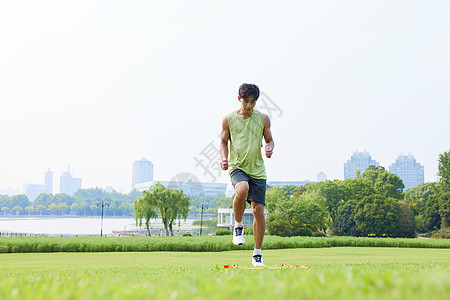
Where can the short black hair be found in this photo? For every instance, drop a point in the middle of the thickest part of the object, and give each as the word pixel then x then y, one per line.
pixel 247 89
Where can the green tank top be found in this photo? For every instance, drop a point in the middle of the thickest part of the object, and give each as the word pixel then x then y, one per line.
pixel 246 142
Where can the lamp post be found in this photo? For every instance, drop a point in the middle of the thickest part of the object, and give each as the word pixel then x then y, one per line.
pixel 101 226
pixel 201 220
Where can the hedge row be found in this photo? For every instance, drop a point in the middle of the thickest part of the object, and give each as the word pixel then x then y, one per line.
pixel 197 244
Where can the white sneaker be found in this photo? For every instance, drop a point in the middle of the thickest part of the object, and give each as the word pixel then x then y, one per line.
pixel 238 235
pixel 257 261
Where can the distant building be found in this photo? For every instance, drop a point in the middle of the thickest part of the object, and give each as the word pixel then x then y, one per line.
pixel 142 172
pixel 10 191
pixel 33 191
pixel 358 162
pixel 409 171
pixel 321 177
pixel 48 182
pixel 283 183
pixel 225 217
pixel 68 184
pixel 189 187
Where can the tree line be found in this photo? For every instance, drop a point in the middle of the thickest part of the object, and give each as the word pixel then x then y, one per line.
pixel 85 202
pixel 372 204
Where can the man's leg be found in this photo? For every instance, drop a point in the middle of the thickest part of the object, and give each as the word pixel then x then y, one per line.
pixel 259 223
pixel 238 209
pixel 239 200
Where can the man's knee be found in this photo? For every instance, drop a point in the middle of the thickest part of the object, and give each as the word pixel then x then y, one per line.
pixel 242 189
pixel 257 208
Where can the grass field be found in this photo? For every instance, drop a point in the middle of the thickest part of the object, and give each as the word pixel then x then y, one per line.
pixel 337 273
pixel 199 244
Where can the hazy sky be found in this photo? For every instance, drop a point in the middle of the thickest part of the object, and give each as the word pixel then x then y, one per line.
pixel 98 84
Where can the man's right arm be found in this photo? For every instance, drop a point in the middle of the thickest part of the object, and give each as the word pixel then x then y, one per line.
pixel 223 147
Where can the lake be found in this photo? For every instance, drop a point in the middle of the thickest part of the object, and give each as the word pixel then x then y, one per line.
pixel 76 226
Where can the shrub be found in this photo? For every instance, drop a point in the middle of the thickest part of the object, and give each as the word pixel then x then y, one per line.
pixel 211 223
pixel 443 233
pixel 248 230
pixel 186 234
pixel 222 231
pixel 318 234
pixel 303 232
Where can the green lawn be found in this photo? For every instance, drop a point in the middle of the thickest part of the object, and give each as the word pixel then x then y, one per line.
pixel 337 273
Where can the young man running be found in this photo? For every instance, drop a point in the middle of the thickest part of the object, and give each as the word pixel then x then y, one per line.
pixel 245 129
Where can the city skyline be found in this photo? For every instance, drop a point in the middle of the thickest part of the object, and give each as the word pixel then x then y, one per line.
pixel 141 176
pixel 156 79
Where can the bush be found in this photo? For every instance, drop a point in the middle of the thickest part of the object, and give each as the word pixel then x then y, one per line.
pixel 186 234
pixel 248 230
pixel 336 232
pixel 302 232
pixel 318 234
pixel 211 223
pixel 222 231
pixel 443 233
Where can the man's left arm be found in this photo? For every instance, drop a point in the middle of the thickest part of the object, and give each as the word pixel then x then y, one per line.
pixel 268 137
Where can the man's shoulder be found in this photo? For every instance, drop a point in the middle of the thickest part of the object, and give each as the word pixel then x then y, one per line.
pixel 230 115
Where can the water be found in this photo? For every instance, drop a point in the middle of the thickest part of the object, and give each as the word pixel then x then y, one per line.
pixel 75 226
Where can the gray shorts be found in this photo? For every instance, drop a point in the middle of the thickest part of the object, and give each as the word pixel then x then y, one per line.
pixel 257 187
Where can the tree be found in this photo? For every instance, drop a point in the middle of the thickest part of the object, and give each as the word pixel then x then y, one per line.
pixel 20 200
pixel 29 209
pixel 53 208
pixel 345 220
pixel 274 196
pixel 17 209
pixel 43 199
pixel 298 191
pixel 444 209
pixel 296 215
pixel 444 170
pixel 357 189
pixel 407 228
pixel 418 196
pixel 145 208
pixel 5 210
pixel 179 207
pixel 74 208
pixel 169 204
pixel 377 215
pixel 385 183
pixel 41 209
pixel 63 198
pixel 289 189
pixel 431 216
pixel 63 208
pixel 225 202
pixel 277 224
pixel 334 195
pixel 4 201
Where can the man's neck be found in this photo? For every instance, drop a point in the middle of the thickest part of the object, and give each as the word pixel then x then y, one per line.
pixel 244 114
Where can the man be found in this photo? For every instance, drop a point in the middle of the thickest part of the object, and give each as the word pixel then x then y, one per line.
pixel 245 129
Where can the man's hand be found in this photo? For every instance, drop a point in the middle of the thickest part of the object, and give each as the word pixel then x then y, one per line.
pixel 224 164
pixel 269 151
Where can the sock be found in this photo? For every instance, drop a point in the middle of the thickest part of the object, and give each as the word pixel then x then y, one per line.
pixel 238 224
pixel 257 252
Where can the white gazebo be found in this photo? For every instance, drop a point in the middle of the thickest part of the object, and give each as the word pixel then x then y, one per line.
pixel 226 217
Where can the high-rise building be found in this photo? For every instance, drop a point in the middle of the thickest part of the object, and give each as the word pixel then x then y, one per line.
pixel 68 184
pixel 321 177
pixel 142 172
pixel 48 182
pixel 409 171
pixel 358 162
pixel 283 183
pixel 33 191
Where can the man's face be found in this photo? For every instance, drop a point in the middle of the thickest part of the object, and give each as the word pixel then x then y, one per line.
pixel 247 104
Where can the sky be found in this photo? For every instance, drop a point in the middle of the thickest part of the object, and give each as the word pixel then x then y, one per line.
pixel 96 85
